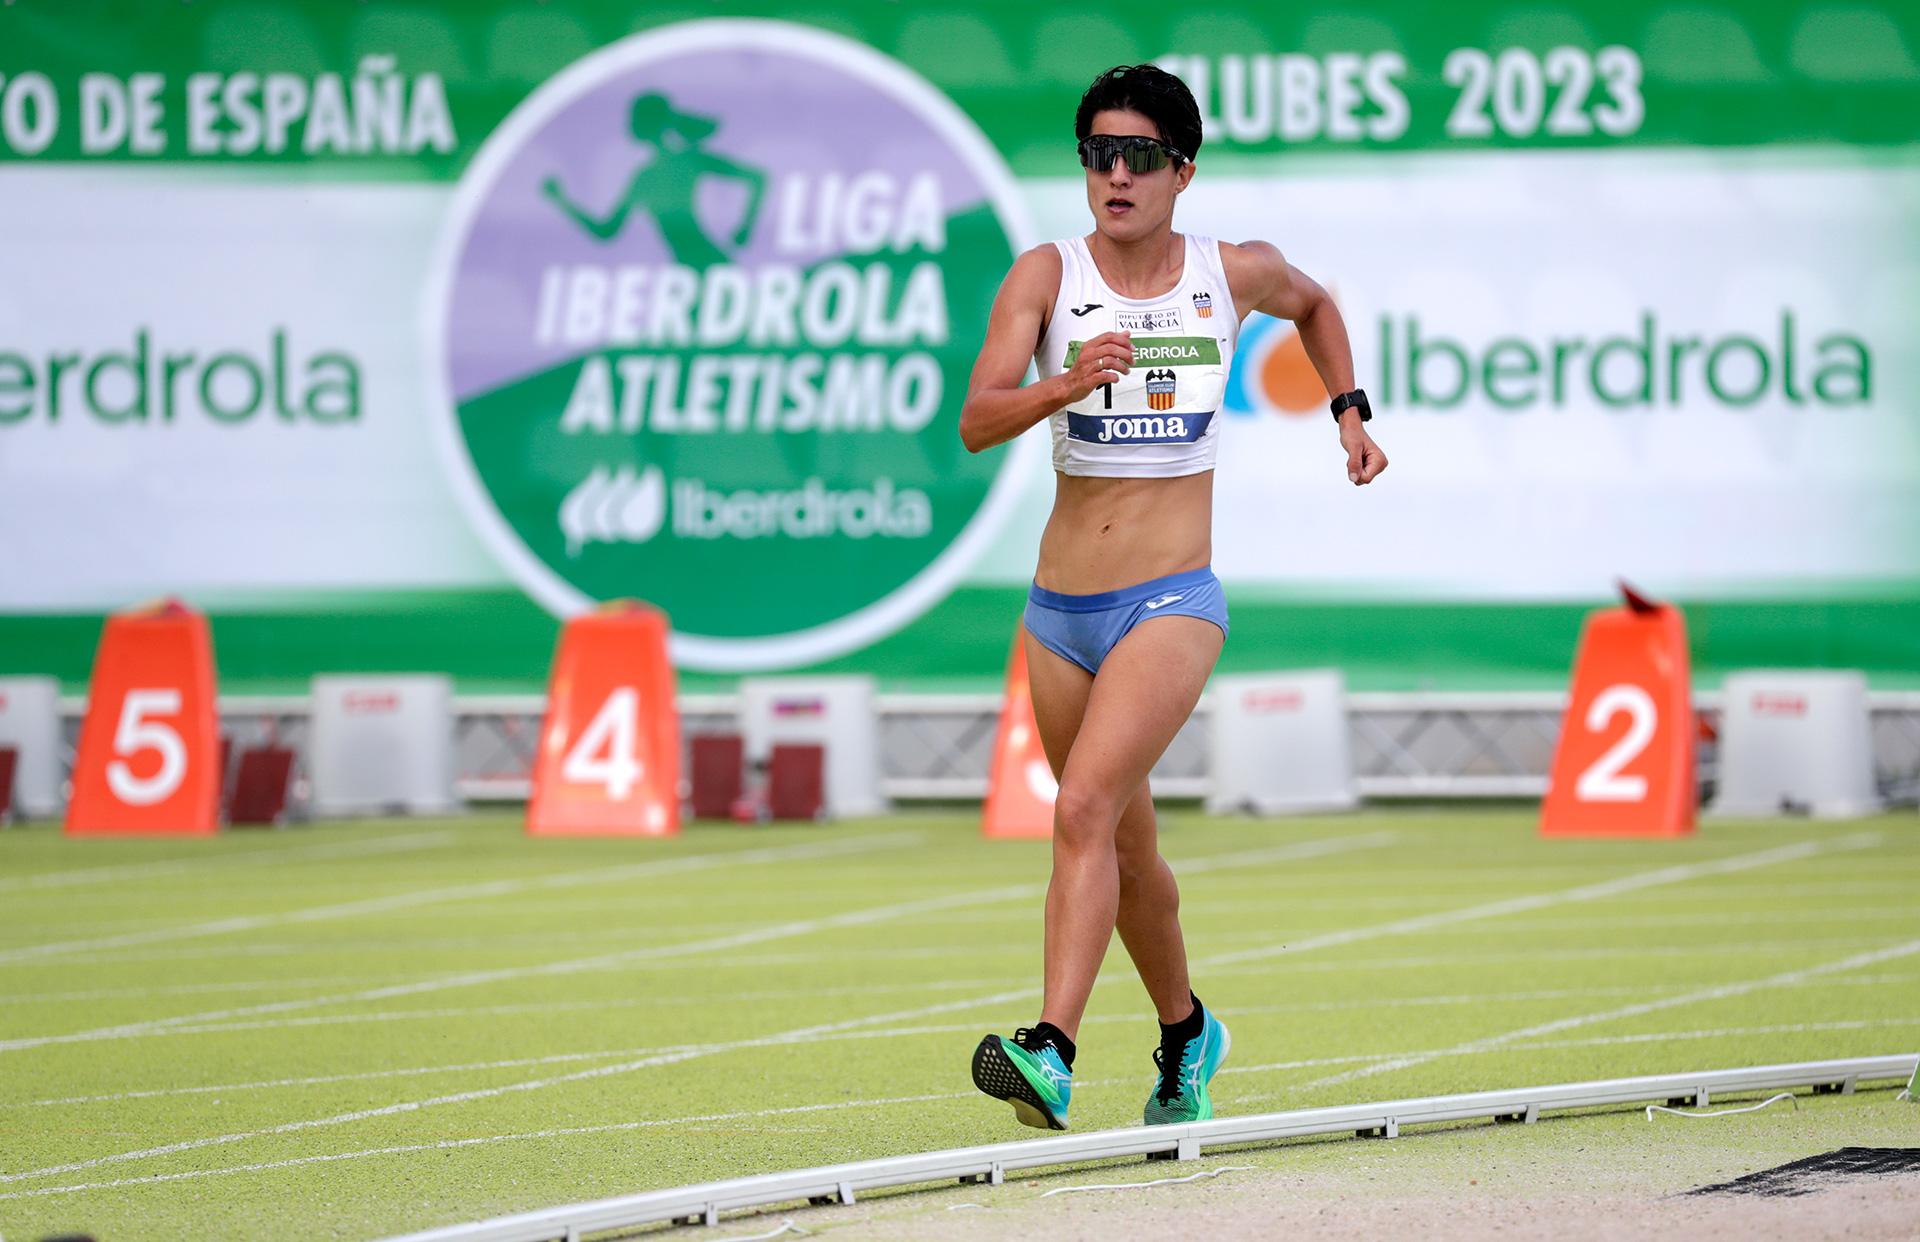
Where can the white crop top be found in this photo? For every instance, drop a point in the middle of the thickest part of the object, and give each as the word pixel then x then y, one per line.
pixel 1163 418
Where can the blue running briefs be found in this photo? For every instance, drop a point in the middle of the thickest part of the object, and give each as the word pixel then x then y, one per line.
pixel 1084 628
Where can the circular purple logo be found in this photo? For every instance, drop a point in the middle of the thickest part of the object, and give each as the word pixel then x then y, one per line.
pixel 705 311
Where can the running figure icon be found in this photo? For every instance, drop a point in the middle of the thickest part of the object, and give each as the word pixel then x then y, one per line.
pixel 665 186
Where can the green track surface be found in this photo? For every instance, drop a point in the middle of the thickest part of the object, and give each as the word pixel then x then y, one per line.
pixel 355 1030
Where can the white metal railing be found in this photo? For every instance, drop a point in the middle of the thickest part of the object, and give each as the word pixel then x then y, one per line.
pixel 938 746
pixel 840 1183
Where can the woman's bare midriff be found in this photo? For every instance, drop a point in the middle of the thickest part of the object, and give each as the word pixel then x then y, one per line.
pixel 1108 533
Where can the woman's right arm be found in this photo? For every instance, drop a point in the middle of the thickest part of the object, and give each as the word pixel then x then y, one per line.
pixel 998 407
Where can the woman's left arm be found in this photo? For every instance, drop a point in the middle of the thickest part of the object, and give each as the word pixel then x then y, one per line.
pixel 1263 280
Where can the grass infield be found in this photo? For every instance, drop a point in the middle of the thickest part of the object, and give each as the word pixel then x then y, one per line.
pixel 351 1030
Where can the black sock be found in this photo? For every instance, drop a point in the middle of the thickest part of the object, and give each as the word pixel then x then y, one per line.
pixel 1047 1032
pixel 1189 1026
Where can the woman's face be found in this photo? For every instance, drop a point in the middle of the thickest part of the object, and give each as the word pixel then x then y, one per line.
pixel 1130 206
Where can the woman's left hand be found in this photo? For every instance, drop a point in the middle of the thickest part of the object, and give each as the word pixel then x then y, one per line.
pixel 1365 461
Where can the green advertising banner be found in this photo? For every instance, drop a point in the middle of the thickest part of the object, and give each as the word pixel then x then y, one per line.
pixel 392 333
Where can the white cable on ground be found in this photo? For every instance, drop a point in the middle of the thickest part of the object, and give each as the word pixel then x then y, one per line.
pixel 786 1226
pixel 961 1207
pixel 1727 1112
pixel 1164 1181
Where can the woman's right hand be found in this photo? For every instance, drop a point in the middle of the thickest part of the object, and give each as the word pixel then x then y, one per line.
pixel 1102 360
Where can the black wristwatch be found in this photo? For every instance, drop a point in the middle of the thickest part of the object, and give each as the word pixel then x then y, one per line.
pixel 1355 400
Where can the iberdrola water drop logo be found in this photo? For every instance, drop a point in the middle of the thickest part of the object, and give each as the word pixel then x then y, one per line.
pixel 704 311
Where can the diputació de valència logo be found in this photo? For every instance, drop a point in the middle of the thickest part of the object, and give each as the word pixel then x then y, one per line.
pixel 703 315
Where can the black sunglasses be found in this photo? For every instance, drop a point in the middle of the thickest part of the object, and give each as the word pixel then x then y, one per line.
pixel 1142 154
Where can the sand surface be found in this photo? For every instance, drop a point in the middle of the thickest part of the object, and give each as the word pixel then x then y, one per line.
pixel 1265 1205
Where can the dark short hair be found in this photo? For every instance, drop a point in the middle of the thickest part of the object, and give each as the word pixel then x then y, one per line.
pixel 1153 93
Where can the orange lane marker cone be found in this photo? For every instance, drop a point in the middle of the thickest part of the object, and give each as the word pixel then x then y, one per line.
pixel 149 753
pixel 1624 764
pixel 609 757
pixel 1020 785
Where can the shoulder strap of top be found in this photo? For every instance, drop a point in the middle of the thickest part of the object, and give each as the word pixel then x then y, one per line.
pixel 1216 267
pixel 1076 256
pixel 1065 246
pixel 1063 292
pixel 1208 251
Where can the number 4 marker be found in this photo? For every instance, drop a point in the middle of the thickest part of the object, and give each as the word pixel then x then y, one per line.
pixel 615 729
pixel 609 756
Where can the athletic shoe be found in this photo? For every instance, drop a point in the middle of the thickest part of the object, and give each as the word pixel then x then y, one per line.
pixel 1026 1072
pixel 1186 1067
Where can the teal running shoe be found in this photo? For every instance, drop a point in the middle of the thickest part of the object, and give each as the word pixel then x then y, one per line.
pixel 1027 1072
pixel 1186 1067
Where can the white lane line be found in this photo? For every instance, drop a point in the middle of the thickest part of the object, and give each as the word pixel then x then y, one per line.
pixel 1865 914
pixel 1781 1028
pixel 182 989
pixel 540 1007
pixel 1393 901
pixel 777 931
pixel 683 1054
pixel 1594 1041
pixel 757 1114
pixel 1299 850
pixel 628 1002
pixel 1622 884
pixel 450 1144
pixel 1786 978
pixel 320 1080
pixel 1760 918
pixel 1603 1041
pixel 563 1058
pixel 396 844
pixel 419 1071
pixel 1317 847
pixel 799 1034
pixel 803 1034
pixel 1796 852
pixel 494 976
pixel 466 892
pixel 1473 957
pixel 1586 892
pixel 1468 954
pixel 1246 858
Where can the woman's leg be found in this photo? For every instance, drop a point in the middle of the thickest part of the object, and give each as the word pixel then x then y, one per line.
pixel 1149 905
pixel 1146 689
pixel 1149 915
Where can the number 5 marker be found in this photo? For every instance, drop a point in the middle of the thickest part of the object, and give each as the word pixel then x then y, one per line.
pixel 149 754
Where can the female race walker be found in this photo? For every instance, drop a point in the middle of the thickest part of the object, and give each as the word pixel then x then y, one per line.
pixel 1132 328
